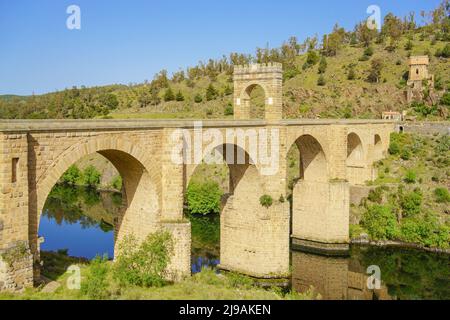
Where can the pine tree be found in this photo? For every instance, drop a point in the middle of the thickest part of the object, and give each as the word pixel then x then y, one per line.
pixel 211 93
pixel 323 65
pixel 321 82
pixel 168 95
pixel 179 96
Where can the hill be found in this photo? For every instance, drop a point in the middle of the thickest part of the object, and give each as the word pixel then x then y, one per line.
pixel 349 74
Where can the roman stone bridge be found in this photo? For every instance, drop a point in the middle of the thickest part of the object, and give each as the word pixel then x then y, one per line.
pixel 156 160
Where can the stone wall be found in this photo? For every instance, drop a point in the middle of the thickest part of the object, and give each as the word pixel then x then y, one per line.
pixel 428 128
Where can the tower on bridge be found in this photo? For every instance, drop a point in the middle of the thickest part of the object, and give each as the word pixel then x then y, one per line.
pixel 270 78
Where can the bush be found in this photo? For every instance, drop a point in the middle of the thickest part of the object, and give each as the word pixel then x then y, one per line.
pixel 72 176
pixel 169 95
pixel 117 183
pixel 394 148
pixel 266 201
pixel 376 195
pixel 380 222
pixel 95 286
pixel 321 81
pixel 229 110
pixel 204 198
pixel 91 177
pixel 198 98
pixel 410 176
pixel 445 100
pixel 426 231
pixel 411 204
pixel 145 264
pixel 442 195
pixel 406 154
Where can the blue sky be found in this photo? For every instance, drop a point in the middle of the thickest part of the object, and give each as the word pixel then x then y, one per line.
pixel 123 41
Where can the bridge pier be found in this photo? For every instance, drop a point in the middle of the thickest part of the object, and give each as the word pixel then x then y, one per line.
pixel 320 218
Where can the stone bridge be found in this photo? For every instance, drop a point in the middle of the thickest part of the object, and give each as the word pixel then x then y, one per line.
pixel 156 160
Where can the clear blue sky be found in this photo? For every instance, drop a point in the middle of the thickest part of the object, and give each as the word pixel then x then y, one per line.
pixel 123 41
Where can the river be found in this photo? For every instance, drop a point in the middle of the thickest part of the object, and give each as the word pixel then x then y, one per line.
pixel 81 221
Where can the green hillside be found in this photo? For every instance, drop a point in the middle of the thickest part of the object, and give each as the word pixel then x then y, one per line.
pixel 348 74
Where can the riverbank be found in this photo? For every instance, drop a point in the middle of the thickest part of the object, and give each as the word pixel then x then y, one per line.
pixel 397 244
pixel 206 285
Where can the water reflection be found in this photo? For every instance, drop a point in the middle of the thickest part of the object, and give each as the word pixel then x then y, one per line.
pixel 405 274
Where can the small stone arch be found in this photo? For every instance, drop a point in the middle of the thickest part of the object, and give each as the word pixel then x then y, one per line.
pixel 267 76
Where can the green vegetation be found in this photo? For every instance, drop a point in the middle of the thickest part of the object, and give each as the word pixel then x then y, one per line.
pixel 90 177
pixel 204 198
pixel 266 201
pixel 144 264
pixel 410 201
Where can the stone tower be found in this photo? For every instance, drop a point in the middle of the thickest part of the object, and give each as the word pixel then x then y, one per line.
pixel 270 78
pixel 418 76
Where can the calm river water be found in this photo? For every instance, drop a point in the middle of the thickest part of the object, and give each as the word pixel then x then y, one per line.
pixel 81 221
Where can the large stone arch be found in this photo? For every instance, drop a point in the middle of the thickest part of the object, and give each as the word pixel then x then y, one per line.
pixel 320 205
pixel 142 186
pixel 253 239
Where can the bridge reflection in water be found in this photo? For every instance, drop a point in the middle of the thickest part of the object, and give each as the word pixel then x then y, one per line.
pixel 333 278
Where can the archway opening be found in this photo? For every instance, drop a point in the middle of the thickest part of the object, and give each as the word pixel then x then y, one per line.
pixel 210 188
pixel 306 161
pixel 355 152
pixel 255 100
pixel 96 202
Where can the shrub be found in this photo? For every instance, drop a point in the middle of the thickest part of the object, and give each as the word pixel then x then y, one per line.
pixel 266 201
pixel 204 198
pixel 117 183
pixel 179 96
pixel 410 176
pixel 394 148
pixel 229 110
pixel 72 176
pixel 198 98
pixel 376 195
pixel 211 93
pixel 380 222
pixel 442 195
pixel 405 154
pixel 91 177
pixel 169 95
pixel 95 286
pixel 445 100
pixel 411 204
pixel 145 264
pixel 426 231
pixel 321 81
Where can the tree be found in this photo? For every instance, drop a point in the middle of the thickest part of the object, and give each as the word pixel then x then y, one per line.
pixel 321 81
pixel 364 34
pixel 91 177
pixel 72 176
pixel 351 73
pixel 392 27
pixel 179 96
pixel 169 95
pixel 375 71
pixel 204 198
pixel 323 65
pixel 198 98
pixel 211 93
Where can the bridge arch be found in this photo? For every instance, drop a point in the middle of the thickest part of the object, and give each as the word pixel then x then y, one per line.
pixel 247 100
pixel 141 185
pixel 355 150
pixel 313 164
